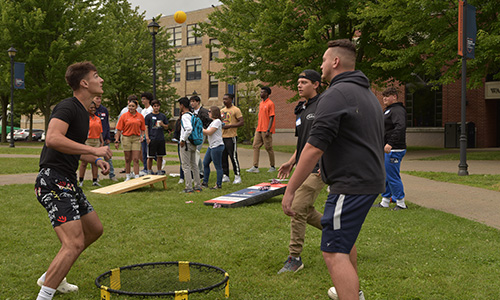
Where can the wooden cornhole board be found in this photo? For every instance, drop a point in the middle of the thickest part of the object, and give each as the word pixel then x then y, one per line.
pixel 249 196
pixel 132 184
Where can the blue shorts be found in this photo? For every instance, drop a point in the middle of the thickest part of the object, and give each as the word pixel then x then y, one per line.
pixel 342 220
pixel 63 199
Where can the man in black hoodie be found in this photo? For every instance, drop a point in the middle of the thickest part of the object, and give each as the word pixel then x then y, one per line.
pixel 395 149
pixel 348 136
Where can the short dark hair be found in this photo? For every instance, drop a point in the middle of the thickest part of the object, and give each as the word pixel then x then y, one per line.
pixel 147 95
pixel 76 72
pixel 230 96
pixel 267 89
pixel 155 102
pixel 184 101
pixel 195 98
pixel 133 101
pixel 131 97
pixel 390 91
pixel 344 44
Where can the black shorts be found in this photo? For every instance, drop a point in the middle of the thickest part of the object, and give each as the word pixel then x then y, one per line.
pixel 156 148
pixel 342 220
pixel 63 199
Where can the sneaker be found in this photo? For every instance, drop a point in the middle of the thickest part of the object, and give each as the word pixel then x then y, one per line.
pixel 113 178
pixel 272 169
pixel 143 172
pixel 150 172
pixel 397 207
pixel 127 178
pixel 225 178
pixel 237 179
pixel 64 287
pixel 161 172
pixel 216 187
pixel 253 170
pixel 187 191
pixel 332 293
pixel 379 205
pixel 180 181
pixel 204 185
pixel 198 189
pixel 80 184
pixel 292 264
pixel 95 183
pixel 136 176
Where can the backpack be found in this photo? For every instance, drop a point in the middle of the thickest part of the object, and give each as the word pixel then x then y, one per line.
pixel 196 136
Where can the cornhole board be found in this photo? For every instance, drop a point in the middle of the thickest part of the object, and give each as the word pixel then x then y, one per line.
pixel 132 184
pixel 249 196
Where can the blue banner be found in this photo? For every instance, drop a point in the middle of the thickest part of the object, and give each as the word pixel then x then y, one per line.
pixel 471 31
pixel 19 75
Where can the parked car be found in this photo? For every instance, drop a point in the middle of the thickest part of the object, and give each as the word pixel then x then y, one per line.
pixel 22 134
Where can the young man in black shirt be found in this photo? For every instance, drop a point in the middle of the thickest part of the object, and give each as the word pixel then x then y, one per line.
pixel 348 136
pixel 73 218
pixel 303 206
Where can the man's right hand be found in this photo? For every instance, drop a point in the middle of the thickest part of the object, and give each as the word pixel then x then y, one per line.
pixel 103 152
pixel 284 170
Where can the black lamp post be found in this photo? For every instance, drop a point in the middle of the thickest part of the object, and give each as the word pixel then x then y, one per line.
pixel 12 53
pixel 153 29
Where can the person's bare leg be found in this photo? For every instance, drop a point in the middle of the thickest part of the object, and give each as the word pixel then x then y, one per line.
pixel 128 161
pixel 136 157
pixel 343 274
pixel 82 169
pixel 159 162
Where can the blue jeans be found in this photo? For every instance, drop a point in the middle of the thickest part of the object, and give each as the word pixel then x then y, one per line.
pixel 144 145
pixel 215 155
pixel 393 184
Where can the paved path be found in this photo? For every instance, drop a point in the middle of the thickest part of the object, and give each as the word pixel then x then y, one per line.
pixel 473 203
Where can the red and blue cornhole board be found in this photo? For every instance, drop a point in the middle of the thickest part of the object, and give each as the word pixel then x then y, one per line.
pixel 250 195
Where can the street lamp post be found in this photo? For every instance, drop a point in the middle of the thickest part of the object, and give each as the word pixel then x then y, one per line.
pixel 12 53
pixel 153 29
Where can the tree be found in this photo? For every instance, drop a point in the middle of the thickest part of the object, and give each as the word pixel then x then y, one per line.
pixel 273 41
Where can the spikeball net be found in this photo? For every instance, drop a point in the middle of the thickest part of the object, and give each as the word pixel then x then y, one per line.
pixel 176 279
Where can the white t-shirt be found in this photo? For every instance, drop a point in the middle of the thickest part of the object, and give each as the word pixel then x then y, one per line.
pixel 215 139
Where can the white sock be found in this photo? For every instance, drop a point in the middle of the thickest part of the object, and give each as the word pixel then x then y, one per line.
pixel 385 202
pixel 46 293
pixel 401 203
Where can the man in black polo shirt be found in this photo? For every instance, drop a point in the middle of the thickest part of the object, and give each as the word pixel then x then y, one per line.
pixel 73 218
pixel 303 206
pixel 348 136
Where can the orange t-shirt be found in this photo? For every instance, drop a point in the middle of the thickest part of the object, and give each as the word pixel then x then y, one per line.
pixel 266 110
pixel 131 124
pixel 95 127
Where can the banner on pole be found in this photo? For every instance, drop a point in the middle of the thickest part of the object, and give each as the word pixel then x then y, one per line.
pixel 19 75
pixel 471 30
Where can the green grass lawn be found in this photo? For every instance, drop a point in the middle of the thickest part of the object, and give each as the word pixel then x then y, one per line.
pixel 485 181
pixel 416 254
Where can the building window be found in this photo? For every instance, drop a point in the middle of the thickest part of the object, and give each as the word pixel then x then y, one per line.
pixel 175 36
pixel 193 67
pixel 193 39
pixel 214 51
pixel 177 71
pixel 424 105
pixel 214 87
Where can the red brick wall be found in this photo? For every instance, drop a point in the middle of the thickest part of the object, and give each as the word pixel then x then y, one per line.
pixel 285 118
pixel 478 110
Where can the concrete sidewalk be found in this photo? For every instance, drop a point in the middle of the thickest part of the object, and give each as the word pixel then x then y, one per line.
pixel 473 203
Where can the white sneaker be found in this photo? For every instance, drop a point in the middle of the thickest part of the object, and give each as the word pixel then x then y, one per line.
pixel 127 178
pixel 95 183
pixel 237 179
pixel 272 169
pixel 142 173
pixel 332 293
pixel 181 181
pixel 225 178
pixel 64 287
pixel 137 176
pixel 253 170
pixel 80 184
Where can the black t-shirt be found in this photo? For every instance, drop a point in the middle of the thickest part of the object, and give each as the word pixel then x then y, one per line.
pixel 305 112
pixel 155 132
pixel 72 112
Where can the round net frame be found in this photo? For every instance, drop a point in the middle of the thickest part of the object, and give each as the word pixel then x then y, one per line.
pixel 163 279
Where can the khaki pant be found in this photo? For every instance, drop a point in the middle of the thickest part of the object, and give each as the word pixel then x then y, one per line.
pixel 259 140
pixel 305 213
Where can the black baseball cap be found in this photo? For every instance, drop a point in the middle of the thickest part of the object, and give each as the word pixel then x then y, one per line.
pixel 311 75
